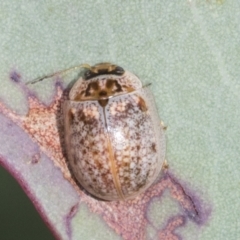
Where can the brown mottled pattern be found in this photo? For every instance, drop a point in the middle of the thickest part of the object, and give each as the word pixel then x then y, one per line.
pixel 111 84
pixel 123 115
pixel 115 150
pixel 87 148
pixel 132 135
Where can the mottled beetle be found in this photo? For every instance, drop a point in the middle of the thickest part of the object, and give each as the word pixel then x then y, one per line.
pixel 114 140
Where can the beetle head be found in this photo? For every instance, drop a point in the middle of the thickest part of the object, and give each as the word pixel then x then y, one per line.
pixel 103 68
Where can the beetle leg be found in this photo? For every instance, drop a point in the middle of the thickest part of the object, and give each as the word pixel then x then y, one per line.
pixel 165 165
pixel 163 125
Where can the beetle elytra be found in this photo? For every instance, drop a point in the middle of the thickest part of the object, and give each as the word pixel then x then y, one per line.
pixel 114 140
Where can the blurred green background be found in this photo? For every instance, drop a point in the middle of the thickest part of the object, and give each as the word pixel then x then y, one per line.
pixel 19 220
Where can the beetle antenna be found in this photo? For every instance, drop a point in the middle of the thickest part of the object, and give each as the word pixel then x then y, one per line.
pixel 147 85
pixel 58 72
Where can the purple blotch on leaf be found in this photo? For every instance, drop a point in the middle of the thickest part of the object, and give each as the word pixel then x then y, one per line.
pixel 15 76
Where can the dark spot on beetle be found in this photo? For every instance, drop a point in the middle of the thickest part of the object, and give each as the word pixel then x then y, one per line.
pixel 126 164
pixel 95 152
pixel 119 88
pixel 99 165
pixel 103 102
pixel 138 170
pixel 138 147
pixel 153 147
pixel 70 116
pixel 102 93
pixel 126 179
pixel 92 85
pixel 87 92
pixel 104 175
pixel 138 159
pixel 142 105
pixel 109 83
pixel 80 116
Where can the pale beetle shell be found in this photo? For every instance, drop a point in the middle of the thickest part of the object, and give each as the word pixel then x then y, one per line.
pixel 115 151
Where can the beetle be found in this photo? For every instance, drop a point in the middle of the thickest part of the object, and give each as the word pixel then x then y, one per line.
pixel 114 140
